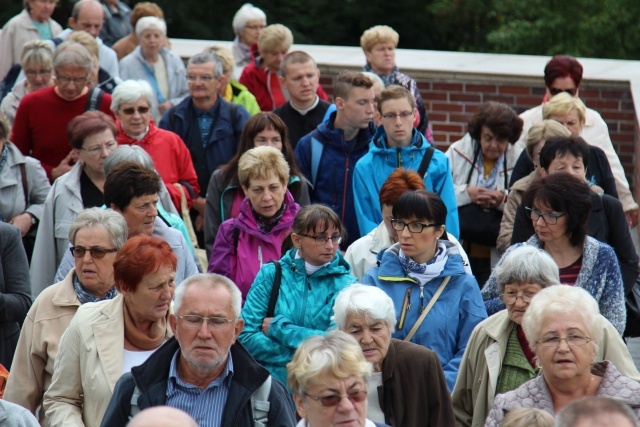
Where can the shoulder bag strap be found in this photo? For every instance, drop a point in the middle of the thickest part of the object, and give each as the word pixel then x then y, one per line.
pixel 473 165
pixel 25 190
pixel 434 298
pixel 154 84
pixel 275 290
pixel 426 160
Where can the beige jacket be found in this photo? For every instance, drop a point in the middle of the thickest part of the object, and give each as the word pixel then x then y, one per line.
pixel 514 199
pixel 475 387
pixel 32 366
pixel 88 364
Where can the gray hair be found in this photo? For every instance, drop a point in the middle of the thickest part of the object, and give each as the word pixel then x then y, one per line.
pixel 130 91
pixel 562 299
pixel 110 220
pixel 211 281
pixel 527 264
pixel 72 54
pixel 246 13
pixel 150 23
pixel 375 79
pixel 594 409
pixel 373 302
pixel 205 58
pixel 128 153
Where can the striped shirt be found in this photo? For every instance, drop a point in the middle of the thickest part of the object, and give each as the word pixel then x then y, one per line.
pixel 205 406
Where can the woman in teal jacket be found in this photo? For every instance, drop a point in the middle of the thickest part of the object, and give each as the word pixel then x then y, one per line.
pixel 312 275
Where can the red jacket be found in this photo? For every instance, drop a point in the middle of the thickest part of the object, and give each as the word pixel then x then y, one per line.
pixel 171 159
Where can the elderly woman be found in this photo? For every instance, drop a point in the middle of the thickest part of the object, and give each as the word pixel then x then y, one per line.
pixel 328 378
pixel 407 386
pixel 126 45
pixel 248 23
pixel 107 339
pixel 36 64
pixel 498 358
pixel 481 163
pixel 151 61
pixel 244 244
pixel 558 206
pixel 96 235
pixel 563 328
pixel 224 194
pixel 437 301
pixel 33 23
pixel 92 136
pixel 131 103
pixel 291 300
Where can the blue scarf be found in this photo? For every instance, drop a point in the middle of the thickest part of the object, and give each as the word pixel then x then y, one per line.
pixel 428 271
pixel 85 296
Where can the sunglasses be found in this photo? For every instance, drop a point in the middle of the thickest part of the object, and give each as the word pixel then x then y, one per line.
pixel 96 252
pixel 131 111
pixel 334 399
pixel 554 91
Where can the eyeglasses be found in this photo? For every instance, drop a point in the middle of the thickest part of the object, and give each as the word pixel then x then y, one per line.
pixel 131 111
pixel 96 150
pixel 511 297
pixel 392 116
pixel 414 227
pixel 34 73
pixel 193 321
pixel 205 78
pixel 334 399
pixel 554 91
pixel 574 340
pixel 78 81
pixel 322 240
pixel 95 251
pixel 549 219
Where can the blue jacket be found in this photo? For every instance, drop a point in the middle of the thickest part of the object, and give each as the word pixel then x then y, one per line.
pixel 333 184
pixel 449 324
pixel 373 169
pixel 304 308
pixel 223 139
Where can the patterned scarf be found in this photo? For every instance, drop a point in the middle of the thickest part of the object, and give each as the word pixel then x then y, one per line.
pixel 431 269
pixel 84 296
pixel 266 224
pixel 491 182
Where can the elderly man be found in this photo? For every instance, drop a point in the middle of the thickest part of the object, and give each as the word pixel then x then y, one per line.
pixel 203 370
pixel 116 21
pixel 162 416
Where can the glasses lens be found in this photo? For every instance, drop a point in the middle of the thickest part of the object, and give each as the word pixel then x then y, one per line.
pixel 97 253
pixel 78 251
pixel 415 227
pixel 508 298
pixel 397 225
pixel 330 400
pixel 358 396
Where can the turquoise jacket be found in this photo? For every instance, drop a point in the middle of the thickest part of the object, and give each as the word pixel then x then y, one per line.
pixel 304 308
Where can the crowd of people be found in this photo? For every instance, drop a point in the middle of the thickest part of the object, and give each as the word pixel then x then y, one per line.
pixel 222 243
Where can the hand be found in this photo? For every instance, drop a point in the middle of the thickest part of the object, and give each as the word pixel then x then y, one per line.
pixel 164 106
pixel 632 218
pixel 199 224
pixel 265 325
pixel 473 193
pixel 65 165
pixel 23 222
pixel 199 204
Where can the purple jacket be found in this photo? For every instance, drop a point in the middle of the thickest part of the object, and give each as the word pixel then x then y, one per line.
pixel 254 248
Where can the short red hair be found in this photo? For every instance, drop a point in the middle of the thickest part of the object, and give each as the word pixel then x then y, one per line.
pixel 139 256
pixel 562 66
pixel 399 182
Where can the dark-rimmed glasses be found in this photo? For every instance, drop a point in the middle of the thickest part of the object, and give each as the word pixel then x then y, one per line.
pixel 131 111
pixel 322 240
pixel 414 227
pixel 549 218
pixel 95 251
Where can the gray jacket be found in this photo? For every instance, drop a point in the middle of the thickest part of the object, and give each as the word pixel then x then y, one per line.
pixel 10 103
pixel 12 415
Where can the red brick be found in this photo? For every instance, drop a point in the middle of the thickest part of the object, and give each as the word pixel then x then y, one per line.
pixel 440 137
pixel 616 94
pixel 507 99
pixel 465 97
pixel 604 104
pixel 448 127
pixel 437 116
pixel 469 87
pixel 589 94
pixel 515 90
pixel 424 85
pixel 438 106
pixel 625 148
pixel 528 101
pixel 459 118
pixel 623 137
pixel 471 108
pixel 627 127
pixel 454 87
pixel 618 115
pixel 435 96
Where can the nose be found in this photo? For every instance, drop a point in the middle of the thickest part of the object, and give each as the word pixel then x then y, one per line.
pixel 405 232
pixel 345 404
pixel 366 337
pixel 563 345
pixel 153 211
pixel 87 257
pixel 540 221
pixel 268 195
pixel 520 302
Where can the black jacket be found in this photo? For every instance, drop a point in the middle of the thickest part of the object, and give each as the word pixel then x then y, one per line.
pixel 151 379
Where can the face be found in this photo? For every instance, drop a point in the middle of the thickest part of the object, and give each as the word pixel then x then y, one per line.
pixel 266 194
pixel 41 10
pixel 151 42
pixel 492 146
pixel 313 253
pixel 571 121
pixel 373 335
pixel 357 110
pixel 202 82
pixel 251 32
pixel 517 309
pixel 140 214
pixel 37 76
pixel 95 150
pixel 387 214
pixel 206 348
pixel 135 117
pixel 397 119
pixel 90 19
pixel 302 82
pixel 151 299
pixel 536 154
pixel 567 164
pixel 71 81
pixel 382 58
pixel 95 274
pixel 273 58
pixel 564 362
pixel 549 232
pixel 562 84
pixel 345 414
pixel 420 247
pixel 269 137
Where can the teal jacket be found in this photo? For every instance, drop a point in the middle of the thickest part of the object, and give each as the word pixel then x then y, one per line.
pixel 304 308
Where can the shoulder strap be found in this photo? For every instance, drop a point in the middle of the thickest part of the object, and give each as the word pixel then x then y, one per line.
pixel 260 404
pixel 426 160
pixel 94 99
pixel 316 155
pixel 134 403
pixel 275 290
pixel 25 190
pixel 233 112
pixel 236 236
pixel 154 84
pixel 434 298
pixel 475 159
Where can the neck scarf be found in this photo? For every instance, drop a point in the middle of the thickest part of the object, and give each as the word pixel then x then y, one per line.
pixel 135 336
pixel 84 296
pixel 243 50
pixel 310 268
pixel 266 224
pixel 491 182
pixel 428 271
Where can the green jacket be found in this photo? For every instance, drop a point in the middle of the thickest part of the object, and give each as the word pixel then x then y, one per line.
pixel 242 96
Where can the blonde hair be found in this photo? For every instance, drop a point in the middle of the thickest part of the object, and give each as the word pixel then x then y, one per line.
pixel 542 131
pixel 562 104
pixel 224 55
pixel 273 37
pixel 527 417
pixel 378 34
pixel 36 52
pixel 86 40
pixel 259 161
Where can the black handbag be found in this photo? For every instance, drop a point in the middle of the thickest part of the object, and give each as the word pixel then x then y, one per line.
pixel 632 300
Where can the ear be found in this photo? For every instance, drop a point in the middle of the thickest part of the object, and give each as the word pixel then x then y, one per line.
pixel 245 191
pixel 300 406
pixel 296 240
pixel 239 326
pixel 115 208
pixel 339 103
pixel 72 22
pixel 543 172
pixel 282 80
pixel 441 231
pixel 173 322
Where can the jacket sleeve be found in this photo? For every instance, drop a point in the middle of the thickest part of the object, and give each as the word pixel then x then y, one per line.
pixel 285 332
pixel 44 265
pixel 613 348
pixel 241 117
pixel 443 186
pixel 440 411
pixel 212 213
pixel 181 90
pixel 109 61
pixel 514 200
pixel 621 242
pixel 490 292
pixel 6 48
pixel 303 156
pixel 612 302
pixel 496 414
pixel 190 258
pixel 302 197
pixel 462 395
pixel 522 228
pixel 365 201
pixel 119 408
pixel 459 171
pixel 223 254
pixel 21 133
pixel 15 298
pixel 599 170
pixel 39 187
pixel 281 410
pixel 65 266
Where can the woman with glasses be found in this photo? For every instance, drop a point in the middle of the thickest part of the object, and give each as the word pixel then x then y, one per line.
pixel 291 300
pixel 96 235
pixel 266 214
pixel 106 339
pixel 438 304
pixel 498 358
pixel 558 206
pixel 564 330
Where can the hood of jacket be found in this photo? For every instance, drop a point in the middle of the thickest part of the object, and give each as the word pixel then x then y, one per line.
pixel 124 138
pixel 247 221
pixel 333 137
pixel 390 265
pixel 338 264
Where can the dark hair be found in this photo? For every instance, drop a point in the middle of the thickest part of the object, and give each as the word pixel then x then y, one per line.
pixel 128 180
pixel 422 205
pixel 499 118
pixel 562 66
pixel 310 216
pixel 564 193
pixel 347 80
pixel 399 182
pixel 295 57
pixel 141 255
pixel 559 146
pixel 256 124
pixel 87 124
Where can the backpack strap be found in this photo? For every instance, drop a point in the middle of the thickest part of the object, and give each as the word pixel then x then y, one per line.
pixel 25 190
pixel 426 160
pixel 260 404
pixel 134 403
pixel 275 290
pixel 316 155
pixel 94 99
pixel 236 237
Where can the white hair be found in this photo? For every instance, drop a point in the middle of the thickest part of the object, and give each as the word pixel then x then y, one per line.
pixel 373 302
pixel 527 264
pixel 130 91
pixel 374 78
pixel 128 153
pixel 211 281
pixel 246 13
pixel 150 23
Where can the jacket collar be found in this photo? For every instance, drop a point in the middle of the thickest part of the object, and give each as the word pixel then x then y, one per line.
pixel 380 140
pixel 123 138
pixel 391 269
pixel 335 136
pixel 65 295
pixel 338 265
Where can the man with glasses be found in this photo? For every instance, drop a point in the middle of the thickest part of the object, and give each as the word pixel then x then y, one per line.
pixel 203 370
pixel 398 144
